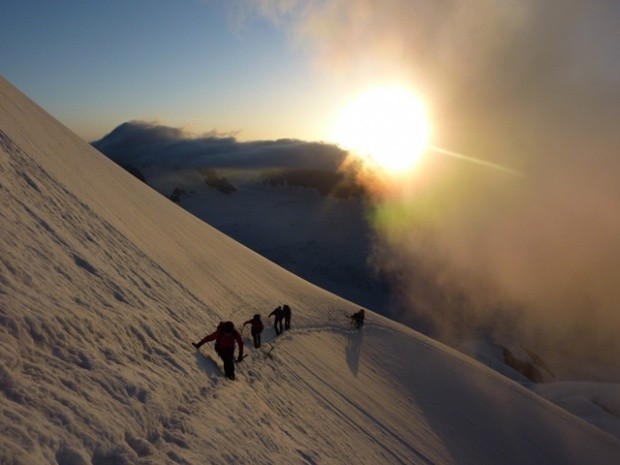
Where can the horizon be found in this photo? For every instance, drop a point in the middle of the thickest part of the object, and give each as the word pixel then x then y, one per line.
pixel 200 65
pixel 267 70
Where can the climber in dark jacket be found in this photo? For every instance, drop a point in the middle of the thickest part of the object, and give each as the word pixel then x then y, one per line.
pixel 256 329
pixel 278 315
pixel 287 316
pixel 358 318
pixel 225 337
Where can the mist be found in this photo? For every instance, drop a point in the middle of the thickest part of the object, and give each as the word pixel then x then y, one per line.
pixel 533 86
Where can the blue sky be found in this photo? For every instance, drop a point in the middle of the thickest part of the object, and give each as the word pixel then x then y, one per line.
pixel 96 64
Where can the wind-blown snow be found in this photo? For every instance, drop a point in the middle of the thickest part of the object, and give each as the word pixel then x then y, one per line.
pixel 103 283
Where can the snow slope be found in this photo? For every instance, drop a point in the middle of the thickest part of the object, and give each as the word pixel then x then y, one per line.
pixel 103 282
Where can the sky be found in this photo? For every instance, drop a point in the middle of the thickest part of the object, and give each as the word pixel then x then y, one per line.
pixel 104 283
pixel 190 63
pixel 268 69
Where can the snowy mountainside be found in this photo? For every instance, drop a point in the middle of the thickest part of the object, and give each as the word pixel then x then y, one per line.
pixel 103 283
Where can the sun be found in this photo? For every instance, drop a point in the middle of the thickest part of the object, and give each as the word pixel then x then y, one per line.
pixel 387 126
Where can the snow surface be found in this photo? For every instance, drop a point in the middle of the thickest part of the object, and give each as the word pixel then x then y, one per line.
pixel 103 283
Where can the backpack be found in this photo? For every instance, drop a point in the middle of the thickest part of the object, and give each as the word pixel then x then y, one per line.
pixel 226 336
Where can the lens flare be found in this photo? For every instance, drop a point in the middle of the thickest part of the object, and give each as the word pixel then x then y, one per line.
pixel 477 161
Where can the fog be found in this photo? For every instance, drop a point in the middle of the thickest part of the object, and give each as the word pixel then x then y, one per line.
pixel 533 86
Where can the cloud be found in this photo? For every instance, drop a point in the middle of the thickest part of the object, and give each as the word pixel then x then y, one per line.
pixel 142 143
pixel 532 85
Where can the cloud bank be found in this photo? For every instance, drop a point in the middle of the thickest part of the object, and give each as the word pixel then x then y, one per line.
pixel 142 143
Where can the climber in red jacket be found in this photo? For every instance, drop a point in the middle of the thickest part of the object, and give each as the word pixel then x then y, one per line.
pixel 225 337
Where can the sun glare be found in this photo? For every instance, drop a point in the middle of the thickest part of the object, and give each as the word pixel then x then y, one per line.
pixel 387 126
